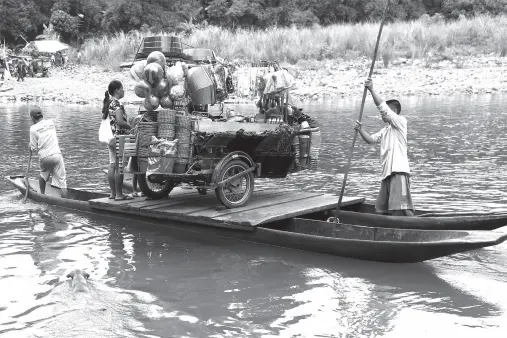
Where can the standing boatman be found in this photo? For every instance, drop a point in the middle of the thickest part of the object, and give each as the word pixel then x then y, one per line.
pixel 394 197
pixel 43 139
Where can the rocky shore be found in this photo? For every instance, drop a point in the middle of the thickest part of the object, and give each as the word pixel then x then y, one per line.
pixel 323 80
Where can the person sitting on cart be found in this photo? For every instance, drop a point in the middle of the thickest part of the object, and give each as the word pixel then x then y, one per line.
pixel 300 117
pixel 394 197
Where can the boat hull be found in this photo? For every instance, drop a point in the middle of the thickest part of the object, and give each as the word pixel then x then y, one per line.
pixel 363 214
pixel 344 240
pixel 381 244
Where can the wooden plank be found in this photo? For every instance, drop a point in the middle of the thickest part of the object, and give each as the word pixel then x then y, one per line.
pixel 149 203
pixel 107 201
pixel 268 202
pixel 175 202
pixel 212 205
pixel 286 210
pixel 184 219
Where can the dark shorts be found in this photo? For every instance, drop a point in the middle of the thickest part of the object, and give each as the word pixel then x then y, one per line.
pixel 394 194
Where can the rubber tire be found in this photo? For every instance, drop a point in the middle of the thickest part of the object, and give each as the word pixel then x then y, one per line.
pixel 202 192
pixel 220 193
pixel 145 188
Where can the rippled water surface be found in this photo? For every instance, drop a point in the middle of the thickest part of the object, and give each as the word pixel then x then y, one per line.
pixel 148 281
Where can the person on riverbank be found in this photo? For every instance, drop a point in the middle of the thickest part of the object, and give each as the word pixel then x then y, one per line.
pixel 21 68
pixel 44 141
pixel 394 197
pixel 113 108
pixel 3 67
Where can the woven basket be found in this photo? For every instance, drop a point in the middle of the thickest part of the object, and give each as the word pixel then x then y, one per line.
pixel 183 122
pixel 167 131
pixel 146 131
pixel 143 151
pixel 151 116
pixel 145 140
pixel 183 150
pixel 167 117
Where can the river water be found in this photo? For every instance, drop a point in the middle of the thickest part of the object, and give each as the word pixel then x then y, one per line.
pixel 153 282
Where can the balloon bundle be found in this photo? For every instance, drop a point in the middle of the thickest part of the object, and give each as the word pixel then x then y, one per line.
pixel 158 84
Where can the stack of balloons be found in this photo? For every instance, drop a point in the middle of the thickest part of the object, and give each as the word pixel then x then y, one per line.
pixel 158 84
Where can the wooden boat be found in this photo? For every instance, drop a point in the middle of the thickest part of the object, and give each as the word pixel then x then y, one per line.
pixel 309 233
pixel 364 214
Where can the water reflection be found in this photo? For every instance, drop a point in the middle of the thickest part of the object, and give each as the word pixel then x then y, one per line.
pixel 150 281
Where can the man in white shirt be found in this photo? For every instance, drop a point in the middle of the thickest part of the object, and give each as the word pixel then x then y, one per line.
pixel 394 196
pixel 43 139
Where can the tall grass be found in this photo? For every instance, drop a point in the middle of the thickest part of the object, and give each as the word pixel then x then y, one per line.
pixel 415 39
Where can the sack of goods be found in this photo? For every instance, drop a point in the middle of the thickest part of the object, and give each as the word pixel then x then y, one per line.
pixel 278 81
pixel 162 157
pixel 158 84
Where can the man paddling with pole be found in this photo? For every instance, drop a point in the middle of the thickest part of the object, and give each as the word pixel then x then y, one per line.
pixel 394 196
pixel 43 139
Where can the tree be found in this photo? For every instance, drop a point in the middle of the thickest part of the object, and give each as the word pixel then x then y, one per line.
pixel 65 24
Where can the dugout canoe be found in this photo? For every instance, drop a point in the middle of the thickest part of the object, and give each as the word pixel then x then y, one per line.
pixel 307 233
pixel 364 214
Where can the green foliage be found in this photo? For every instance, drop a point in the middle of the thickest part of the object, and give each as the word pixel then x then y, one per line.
pixel 64 24
pixel 93 18
pixel 454 8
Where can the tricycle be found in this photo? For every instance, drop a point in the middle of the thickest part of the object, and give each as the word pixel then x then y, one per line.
pixel 40 66
pixel 225 156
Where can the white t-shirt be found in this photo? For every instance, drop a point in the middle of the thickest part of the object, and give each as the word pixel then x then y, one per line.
pixel 393 143
pixel 43 139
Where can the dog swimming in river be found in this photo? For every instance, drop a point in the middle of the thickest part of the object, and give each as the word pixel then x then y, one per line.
pixel 79 280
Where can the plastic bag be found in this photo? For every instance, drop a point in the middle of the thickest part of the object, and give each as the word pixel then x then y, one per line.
pixel 175 74
pixel 106 135
pixel 162 157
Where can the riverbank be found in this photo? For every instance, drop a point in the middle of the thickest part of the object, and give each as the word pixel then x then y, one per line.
pixel 315 80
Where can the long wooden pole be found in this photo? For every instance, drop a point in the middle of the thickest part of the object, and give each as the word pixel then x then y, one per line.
pixel 361 112
pixel 27 184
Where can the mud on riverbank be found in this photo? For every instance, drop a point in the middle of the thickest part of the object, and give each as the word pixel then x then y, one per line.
pixel 315 80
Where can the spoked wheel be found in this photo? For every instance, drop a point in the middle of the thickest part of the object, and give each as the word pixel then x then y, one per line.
pixel 237 192
pixel 154 186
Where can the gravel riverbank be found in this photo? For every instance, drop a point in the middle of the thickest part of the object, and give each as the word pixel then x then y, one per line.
pixel 324 80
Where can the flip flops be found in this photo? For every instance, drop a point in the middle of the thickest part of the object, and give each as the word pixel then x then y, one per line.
pixel 124 198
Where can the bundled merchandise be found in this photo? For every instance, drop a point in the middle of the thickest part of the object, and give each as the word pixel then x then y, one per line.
pixel 167 124
pixel 295 147
pixel 162 156
pixel 304 149
pixel 277 81
pixel 146 131
pixel 184 135
pixel 158 84
pixel 314 149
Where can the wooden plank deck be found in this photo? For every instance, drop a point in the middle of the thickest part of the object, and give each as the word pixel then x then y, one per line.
pixel 264 206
